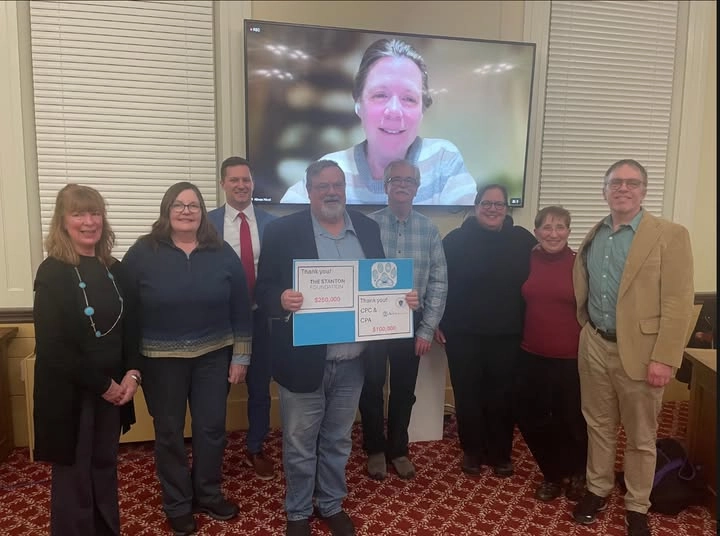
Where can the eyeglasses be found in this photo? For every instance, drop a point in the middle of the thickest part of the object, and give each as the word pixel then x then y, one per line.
pixel 179 208
pixel 497 204
pixel 559 228
pixel 402 181
pixel 632 184
pixel 324 187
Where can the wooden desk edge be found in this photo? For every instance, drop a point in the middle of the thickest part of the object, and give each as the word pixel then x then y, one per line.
pixel 702 356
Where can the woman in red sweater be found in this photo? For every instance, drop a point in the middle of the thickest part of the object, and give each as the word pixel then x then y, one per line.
pixel 549 414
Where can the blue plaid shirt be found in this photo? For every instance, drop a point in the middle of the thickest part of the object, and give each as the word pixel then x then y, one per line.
pixel 417 238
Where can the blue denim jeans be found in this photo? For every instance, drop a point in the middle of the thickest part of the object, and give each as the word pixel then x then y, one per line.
pixel 316 439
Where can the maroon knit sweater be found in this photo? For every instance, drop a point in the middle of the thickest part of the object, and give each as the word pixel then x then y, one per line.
pixel 551 328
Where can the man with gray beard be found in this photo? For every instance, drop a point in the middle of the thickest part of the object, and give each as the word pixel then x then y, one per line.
pixel 319 385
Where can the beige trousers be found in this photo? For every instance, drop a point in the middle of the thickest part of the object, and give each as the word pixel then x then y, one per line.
pixel 610 398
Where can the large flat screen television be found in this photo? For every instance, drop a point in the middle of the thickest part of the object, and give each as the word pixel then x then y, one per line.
pixel 458 108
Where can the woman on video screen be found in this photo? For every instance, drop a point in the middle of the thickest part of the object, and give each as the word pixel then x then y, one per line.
pixel 391 94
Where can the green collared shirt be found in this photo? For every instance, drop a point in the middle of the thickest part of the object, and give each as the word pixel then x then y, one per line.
pixel 606 258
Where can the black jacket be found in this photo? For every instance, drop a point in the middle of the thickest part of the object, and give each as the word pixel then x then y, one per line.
pixel 62 373
pixel 299 369
pixel 486 270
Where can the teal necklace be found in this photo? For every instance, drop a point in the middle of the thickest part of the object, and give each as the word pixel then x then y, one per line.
pixel 90 311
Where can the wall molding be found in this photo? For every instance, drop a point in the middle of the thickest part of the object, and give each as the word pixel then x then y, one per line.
pixel 22 315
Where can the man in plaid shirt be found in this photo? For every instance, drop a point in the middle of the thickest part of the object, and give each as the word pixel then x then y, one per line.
pixel 405 233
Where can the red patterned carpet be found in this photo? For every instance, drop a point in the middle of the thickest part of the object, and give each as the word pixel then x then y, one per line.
pixel 440 501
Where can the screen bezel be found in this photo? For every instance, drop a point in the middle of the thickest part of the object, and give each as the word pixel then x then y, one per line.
pixel 248 23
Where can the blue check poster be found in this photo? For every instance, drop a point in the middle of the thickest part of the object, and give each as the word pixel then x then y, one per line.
pixel 352 301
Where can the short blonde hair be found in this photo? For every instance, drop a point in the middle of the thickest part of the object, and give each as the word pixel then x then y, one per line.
pixel 78 198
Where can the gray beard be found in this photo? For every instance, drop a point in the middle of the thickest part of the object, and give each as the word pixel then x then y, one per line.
pixel 331 213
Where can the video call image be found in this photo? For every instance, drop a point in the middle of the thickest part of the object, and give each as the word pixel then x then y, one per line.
pixel 459 109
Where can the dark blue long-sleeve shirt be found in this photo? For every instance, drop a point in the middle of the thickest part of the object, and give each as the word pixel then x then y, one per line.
pixel 190 304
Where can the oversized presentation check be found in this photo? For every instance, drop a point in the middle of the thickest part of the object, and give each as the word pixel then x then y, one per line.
pixel 352 301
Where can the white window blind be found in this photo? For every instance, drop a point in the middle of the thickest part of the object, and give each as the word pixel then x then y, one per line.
pixel 608 96
pixel 125 103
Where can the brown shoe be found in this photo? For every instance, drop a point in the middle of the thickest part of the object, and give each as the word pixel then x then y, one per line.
pixel 263 466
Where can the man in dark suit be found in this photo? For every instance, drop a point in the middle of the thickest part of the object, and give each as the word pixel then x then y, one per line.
pixel 320 385
pixel 237 182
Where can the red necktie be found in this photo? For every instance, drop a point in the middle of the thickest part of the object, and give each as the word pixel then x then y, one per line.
pixel 246 253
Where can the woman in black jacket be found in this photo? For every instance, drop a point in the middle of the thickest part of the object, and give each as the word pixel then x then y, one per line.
pixel 87 365
pixel 488 260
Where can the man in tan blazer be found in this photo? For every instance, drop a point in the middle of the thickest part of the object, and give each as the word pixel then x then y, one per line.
pixel 633 278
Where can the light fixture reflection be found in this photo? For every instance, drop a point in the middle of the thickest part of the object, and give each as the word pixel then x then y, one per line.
pixel 274 73
pixel 494 68
pixel 282 50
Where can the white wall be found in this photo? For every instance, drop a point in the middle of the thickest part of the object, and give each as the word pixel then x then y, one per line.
pixel 704 237
pixel 16 180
